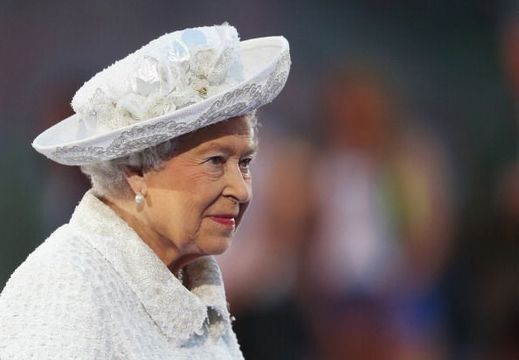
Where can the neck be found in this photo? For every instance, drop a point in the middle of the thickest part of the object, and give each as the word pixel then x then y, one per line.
pixel 165 249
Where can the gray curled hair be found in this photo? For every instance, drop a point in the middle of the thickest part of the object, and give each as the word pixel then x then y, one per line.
pixel 108 177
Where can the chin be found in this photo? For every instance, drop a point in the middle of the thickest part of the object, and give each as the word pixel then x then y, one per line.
pixel 217 246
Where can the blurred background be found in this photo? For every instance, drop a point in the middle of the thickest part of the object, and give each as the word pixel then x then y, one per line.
pixel 385 223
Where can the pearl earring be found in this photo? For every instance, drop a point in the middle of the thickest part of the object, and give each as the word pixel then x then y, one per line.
pixel 139 198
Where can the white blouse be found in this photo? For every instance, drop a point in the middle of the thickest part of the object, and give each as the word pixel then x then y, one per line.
pixel 95 290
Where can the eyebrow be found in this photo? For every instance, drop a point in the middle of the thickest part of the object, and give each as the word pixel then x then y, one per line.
pixel 249 150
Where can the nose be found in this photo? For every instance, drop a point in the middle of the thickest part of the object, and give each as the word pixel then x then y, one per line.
pixel 238 186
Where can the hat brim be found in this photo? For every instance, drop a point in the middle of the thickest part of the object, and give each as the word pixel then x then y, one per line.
pixel 266 64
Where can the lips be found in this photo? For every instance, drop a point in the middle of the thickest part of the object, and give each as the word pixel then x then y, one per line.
pixel 226 220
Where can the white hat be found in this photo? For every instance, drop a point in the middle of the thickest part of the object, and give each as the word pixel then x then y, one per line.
pixel 176 84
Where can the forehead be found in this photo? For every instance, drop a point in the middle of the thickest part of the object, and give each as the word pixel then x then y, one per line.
pixel 236 131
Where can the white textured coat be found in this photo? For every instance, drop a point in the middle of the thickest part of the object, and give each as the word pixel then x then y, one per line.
pixel 95 290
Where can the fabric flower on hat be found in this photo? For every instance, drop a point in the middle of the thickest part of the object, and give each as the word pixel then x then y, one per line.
pixel 171 72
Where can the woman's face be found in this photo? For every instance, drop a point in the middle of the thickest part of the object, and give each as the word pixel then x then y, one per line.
pixel 197 200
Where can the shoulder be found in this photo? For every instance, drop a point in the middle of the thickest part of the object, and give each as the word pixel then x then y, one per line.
pixel 49 307
pixel 63 260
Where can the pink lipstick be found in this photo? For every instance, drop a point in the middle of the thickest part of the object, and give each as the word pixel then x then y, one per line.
pixel 224 220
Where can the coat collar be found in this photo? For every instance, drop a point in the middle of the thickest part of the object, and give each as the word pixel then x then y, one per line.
pixel 179 313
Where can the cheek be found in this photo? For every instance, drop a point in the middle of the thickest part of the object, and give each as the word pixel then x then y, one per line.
pixel 185 211
pixel 168 213
pixel 179 208
pixel 187 215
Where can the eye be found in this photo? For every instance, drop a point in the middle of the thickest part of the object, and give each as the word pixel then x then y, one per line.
pixel 245 163
pixel 216 160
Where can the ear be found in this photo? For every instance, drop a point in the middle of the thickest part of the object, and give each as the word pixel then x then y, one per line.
pixel 136 181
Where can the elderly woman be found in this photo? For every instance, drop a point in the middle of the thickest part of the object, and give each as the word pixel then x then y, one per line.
pixel 166 136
